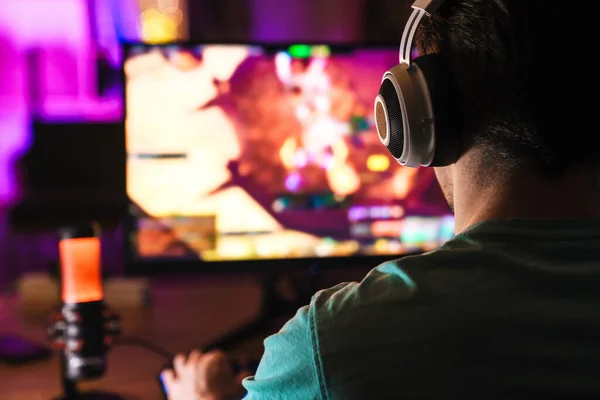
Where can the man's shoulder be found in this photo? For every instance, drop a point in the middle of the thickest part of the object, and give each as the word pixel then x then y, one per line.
pixel 394 281
pixel 405 294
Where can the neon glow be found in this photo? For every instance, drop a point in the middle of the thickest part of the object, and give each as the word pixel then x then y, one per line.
pixel 378 163
pixel 358 213
pixel 63 70
pixel 158 27
pixel 300 51
pixel 80 270
pixel 321 51
pixel 293 182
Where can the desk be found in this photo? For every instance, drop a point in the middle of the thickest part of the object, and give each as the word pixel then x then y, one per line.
pixel 185 314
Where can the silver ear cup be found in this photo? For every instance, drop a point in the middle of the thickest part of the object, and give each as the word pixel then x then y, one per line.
pixel 403 116
pixel 389 117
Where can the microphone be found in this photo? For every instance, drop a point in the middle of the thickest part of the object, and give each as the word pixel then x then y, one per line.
pixel 84 327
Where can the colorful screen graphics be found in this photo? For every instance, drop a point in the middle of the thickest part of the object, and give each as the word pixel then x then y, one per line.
pixel 244 152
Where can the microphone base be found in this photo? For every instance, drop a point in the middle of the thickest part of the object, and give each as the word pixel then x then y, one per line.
pixel 92 396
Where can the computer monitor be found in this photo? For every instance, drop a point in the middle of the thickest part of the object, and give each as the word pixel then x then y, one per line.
pixel 246 152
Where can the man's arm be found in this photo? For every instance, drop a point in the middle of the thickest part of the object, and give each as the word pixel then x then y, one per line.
pixel 288 369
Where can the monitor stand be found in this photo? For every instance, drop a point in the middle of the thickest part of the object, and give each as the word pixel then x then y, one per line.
pixel 282 296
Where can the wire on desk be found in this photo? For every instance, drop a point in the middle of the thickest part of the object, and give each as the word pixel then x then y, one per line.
pixel 145 344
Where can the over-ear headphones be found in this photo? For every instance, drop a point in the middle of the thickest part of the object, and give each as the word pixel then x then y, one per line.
pixel 417 110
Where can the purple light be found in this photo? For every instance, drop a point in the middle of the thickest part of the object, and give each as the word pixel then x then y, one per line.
pixel 293 182
pixel 414 53
pixel 66 35
pixel 14 139
pixel 380 212
pixel 293 20
pixel 357 213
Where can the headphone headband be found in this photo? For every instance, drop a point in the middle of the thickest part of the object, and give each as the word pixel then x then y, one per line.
pixel 420 9
pixel 416 111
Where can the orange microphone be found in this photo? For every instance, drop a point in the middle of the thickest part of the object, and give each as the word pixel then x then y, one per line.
pixel 84 327
pixel 80 267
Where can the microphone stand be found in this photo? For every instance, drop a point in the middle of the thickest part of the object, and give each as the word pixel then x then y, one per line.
pixel 70 391
pixel 85 327
pixel 68 386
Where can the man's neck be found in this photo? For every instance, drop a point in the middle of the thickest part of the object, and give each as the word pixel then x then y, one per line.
pixel 524 194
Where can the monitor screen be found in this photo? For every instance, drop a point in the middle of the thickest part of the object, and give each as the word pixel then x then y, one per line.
pixel 249 152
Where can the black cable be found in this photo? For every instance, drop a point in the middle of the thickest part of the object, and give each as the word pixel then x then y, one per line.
pixel 145 344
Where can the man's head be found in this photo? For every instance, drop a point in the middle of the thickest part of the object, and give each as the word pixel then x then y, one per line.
pixel 525 109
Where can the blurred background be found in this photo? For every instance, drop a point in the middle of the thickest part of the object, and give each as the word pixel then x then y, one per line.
pixel 60 62
pixel 64 67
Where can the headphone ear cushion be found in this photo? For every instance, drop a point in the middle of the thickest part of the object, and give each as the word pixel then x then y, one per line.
pixel 447 111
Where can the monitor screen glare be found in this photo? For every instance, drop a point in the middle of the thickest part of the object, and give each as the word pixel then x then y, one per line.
pixel 239 152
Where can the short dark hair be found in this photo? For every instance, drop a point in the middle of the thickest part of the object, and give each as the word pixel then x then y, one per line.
pixel 520 100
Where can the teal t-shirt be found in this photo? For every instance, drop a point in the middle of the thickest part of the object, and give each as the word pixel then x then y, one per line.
pixel 509 309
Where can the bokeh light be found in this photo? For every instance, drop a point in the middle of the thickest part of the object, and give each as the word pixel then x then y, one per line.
pixel 158 27
pixel 378 163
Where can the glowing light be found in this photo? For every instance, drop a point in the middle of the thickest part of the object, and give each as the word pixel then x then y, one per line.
pixel 397 211
pixel 80 266
pixel 300 158
pixel 300 51
pixel 235 248
pixel 378 163
pixel 322 103
pixel 395 246
pixel 293 182
pixel 447 228
pixel 287 152
pixel 315 77
pixel 387 228
pixel 158 27
pixel 381 246
pixel 328 161
pixel 278 205
pixel 343 179
pixel 340 150
pixel 357 213
pixel 325 248
pixel 380 212
pixel 418 231
pixel 222 61
pixel 283 66
pixel 402 182
pixel 266 249
pixel 352 246
pixel 316 69
pixel 303 113
pixel 321 51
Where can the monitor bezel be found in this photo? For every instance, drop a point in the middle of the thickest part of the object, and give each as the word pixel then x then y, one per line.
pixel 174 266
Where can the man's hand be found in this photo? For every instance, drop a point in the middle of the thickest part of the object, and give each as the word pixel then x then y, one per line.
pixel 203 377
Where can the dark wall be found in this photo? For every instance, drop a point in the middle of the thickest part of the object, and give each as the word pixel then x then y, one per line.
pixel 72 173
pixel 379 21
pixel 385 19
pixel 219 20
